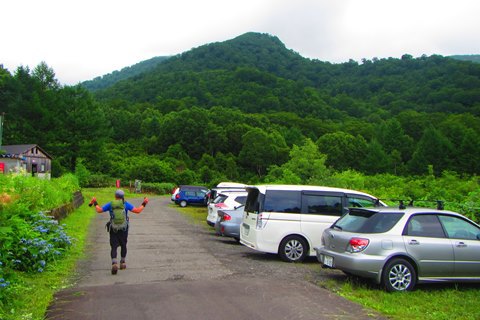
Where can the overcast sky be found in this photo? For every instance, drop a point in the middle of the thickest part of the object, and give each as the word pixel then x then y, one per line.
pixel 80 40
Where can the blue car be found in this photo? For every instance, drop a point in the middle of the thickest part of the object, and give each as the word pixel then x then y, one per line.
pixel 191 195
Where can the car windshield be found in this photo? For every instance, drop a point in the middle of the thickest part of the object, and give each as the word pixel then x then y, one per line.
pixel 367 221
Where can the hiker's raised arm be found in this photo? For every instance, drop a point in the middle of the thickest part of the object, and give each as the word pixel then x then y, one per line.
pixel 98 209
pixel 94 203
pixel 137 210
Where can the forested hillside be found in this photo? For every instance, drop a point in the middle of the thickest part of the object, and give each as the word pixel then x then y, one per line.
pixel 110 79
pixel 251 110
pixel 471 57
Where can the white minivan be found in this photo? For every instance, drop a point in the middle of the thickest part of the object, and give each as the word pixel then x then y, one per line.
pixel 290 219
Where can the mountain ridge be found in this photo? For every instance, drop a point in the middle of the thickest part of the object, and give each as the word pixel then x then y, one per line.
pixel 256 73
pixel 109 79
pixel 239 51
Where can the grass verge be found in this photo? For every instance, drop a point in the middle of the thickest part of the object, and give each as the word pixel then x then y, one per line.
pixel 428 301
pixel 196 214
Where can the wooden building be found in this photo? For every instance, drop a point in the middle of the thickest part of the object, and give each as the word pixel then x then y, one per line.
pixel 29 158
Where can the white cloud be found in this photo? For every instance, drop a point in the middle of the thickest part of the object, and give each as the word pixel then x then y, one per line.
pixel 84 39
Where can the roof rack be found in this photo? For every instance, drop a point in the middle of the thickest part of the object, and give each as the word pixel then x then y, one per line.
pixel 401 205
pixel 440 205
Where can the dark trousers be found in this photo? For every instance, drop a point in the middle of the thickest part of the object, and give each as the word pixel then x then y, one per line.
pixel 118 239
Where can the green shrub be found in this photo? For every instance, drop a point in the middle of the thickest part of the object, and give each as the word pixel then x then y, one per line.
pixel 99 181
pixel 82 173
pixel 458 193
pixel 157 188
pixel 34 243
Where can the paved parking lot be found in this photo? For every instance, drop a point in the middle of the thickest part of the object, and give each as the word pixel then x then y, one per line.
pixel 177 270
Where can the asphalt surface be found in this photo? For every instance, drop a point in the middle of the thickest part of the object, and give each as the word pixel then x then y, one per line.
pixel 178 270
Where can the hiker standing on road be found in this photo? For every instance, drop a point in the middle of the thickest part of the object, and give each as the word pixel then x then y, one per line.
pixel 118 225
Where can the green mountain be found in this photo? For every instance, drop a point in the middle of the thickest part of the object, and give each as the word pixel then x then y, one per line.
pixel 110 79
pixel 471 57
pixel 257 73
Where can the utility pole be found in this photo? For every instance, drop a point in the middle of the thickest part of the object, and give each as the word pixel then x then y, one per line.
pixel 1 128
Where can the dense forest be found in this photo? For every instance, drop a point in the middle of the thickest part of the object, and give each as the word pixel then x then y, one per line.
pixel 251 110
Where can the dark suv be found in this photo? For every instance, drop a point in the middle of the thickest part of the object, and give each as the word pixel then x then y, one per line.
pixel 191 195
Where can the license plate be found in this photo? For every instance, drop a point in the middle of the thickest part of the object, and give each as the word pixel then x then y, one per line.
pixel 328 261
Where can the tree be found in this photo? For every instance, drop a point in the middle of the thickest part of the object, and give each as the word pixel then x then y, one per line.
pixel 206 168
pixel 282 175
pixel 84 130
pixel 306 165
pixel 226 164
pixel 392 137
pixel 433 149
pixel 46 76
pixel 343 150
pixel 148 169
pixel 261 150
pixel 469 153
pixel 376 160
pixel 178 157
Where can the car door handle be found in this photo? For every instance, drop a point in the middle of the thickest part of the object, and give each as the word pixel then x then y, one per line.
pixel 414 242
pixel 461 244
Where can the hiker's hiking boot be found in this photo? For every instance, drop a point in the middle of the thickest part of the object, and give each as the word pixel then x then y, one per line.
pixel 114 268
pixel 123 266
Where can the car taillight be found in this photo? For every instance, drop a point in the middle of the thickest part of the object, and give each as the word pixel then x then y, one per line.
pixel 259 221
pixel 177 196
pixel 226 217
pixel 357 244
pixel 220 205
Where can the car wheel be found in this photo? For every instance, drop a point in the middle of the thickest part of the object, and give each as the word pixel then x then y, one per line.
pixel 183 203
pixel 293 249
pixel 399 275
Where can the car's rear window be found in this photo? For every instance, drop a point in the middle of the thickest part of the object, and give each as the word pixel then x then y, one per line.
pixel 220 199
pixel 365 221
pixel 241 199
